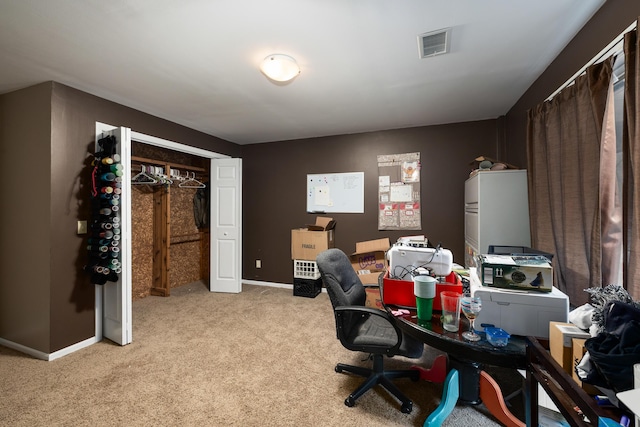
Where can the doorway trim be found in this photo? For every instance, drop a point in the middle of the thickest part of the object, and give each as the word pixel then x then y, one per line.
pixel 157 142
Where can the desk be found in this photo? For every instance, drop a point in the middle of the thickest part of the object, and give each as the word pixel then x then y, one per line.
pixel 466 382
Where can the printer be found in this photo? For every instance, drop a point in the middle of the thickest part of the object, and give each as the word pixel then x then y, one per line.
pixel 525 313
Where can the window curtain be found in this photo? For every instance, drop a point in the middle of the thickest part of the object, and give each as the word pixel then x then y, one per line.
pixel 631 142
pixel 571 156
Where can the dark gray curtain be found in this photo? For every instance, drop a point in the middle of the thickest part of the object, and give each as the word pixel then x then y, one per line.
pixel 571 169
pixel 631 141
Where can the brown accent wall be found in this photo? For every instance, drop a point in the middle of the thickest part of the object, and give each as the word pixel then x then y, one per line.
pixel 612 18
pixel 275 177
pixel 25 240
pixel 48 135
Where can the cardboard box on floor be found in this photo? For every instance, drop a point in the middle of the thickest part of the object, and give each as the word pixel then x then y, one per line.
pixel 307 243
pixel 369 260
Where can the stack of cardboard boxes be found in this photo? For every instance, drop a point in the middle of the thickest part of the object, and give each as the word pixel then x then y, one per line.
pixel 369 262
pixel 306 244
pixel 566 344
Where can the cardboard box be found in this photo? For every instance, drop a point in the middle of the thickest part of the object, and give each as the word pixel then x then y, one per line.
pixel 561 343
pixel 306 244
pixel 400 292
pixel 323 223
pixel 578 351
pixel 369 260
pixel 524 272
pixel 374 300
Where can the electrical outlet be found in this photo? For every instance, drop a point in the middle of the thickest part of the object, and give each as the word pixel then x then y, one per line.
pixel 82 227
pixel 258 263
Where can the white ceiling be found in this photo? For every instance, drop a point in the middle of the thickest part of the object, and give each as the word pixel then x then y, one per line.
pixel 195 62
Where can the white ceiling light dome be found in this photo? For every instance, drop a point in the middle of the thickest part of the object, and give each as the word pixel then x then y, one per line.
pixel 280 67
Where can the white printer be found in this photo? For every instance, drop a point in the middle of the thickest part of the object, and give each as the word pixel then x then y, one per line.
pixel 526 313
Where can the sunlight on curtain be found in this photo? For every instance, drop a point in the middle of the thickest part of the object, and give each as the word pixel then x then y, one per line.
pixel 569 166
pixel 631 138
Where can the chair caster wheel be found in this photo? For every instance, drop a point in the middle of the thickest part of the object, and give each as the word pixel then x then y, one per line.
pixel 349 401
pixel 407 407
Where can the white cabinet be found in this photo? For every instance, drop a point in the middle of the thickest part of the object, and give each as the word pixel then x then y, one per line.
pixel 496 212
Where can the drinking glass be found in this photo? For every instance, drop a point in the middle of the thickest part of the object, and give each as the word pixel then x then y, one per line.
pixel 470 308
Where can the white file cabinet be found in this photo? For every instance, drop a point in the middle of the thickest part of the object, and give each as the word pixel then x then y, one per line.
pixel 496 212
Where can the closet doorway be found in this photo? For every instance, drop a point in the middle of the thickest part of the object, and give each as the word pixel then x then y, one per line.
pixel 114 299
pixel 169 220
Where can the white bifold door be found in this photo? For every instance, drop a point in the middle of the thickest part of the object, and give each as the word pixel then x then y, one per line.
pixel 113 300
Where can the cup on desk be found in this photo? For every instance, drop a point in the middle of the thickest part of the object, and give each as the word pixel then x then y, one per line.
pixel 424 288
pixel 450 310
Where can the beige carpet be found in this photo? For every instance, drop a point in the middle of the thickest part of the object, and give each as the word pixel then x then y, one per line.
pixel 259 358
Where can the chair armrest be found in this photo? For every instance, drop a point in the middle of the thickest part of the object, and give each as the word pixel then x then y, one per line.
pixel 362 309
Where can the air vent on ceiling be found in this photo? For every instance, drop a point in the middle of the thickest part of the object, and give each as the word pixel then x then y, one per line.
pixel 434 43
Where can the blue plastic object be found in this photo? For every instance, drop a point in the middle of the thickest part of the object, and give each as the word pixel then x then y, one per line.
pixel 450 396
pixel 497 337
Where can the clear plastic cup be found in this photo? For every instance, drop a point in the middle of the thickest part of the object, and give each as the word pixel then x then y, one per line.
pixel 450 310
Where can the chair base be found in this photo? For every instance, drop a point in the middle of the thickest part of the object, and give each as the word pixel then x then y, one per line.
pixel 378 376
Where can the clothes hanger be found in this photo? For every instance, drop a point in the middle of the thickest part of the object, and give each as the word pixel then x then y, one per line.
pixel 161 176
pixel 191 182
pixel 143 177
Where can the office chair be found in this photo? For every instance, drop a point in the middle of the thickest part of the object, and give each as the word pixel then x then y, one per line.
pixel 365 329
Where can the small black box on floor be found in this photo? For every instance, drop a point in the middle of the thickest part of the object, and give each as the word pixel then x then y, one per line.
pixel 309 288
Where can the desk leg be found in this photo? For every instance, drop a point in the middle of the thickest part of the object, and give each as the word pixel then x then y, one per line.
pixel 437 372
pixel 469 373
pixel 450 396
pixel 491 396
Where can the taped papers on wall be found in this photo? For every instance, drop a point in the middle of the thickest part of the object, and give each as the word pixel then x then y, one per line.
pixel 399 192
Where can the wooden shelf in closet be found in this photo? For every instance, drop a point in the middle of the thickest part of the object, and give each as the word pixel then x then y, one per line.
pixel 138 159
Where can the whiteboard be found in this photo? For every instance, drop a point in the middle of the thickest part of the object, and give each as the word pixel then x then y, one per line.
pixel 335 192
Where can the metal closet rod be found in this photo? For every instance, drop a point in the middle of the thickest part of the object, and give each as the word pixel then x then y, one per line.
pixel 170 164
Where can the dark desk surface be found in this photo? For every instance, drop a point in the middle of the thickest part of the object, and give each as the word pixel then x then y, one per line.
pixel 432 334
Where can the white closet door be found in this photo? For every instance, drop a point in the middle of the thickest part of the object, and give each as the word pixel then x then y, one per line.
pixel 116 296
pixel 226 226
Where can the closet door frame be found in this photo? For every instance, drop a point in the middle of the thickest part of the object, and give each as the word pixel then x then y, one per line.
pixel 104 300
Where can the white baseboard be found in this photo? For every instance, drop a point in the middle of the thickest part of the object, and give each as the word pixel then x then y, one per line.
pixel 272 284
pixel 48 356
pixel 269 284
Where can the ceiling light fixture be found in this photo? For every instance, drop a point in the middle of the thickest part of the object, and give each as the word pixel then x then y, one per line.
pixel 279 67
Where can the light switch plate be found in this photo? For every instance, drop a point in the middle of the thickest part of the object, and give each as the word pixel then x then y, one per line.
pixel 82 227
